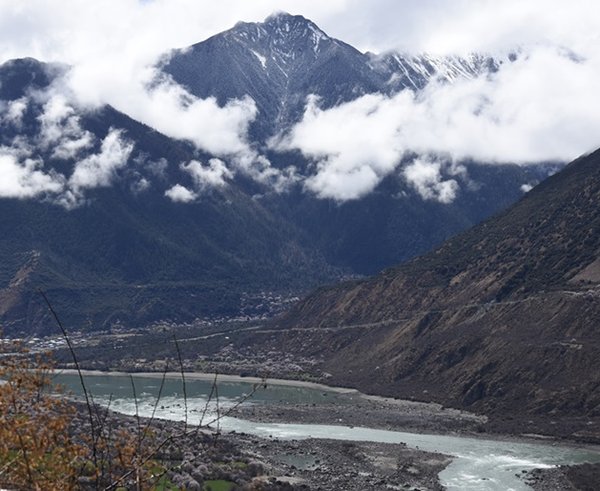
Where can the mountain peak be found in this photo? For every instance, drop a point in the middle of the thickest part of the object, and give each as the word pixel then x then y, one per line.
pixel 287 31
pixel 282 16
pixel 280 61
pixel 288 23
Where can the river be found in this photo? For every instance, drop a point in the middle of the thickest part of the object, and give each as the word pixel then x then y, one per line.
pixel 479 464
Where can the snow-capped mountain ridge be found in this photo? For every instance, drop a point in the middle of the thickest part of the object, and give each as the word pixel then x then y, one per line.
pixel 284 43
pixel 284 30
pixel 415 71
pixel 286 58
pixel 286 37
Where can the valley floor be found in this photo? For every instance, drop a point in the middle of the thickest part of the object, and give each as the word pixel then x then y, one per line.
pixel 244 462
pixel 322 464
pixel 231 350
pixel 318 463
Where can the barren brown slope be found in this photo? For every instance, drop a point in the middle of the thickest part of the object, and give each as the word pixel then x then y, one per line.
pixel 502 317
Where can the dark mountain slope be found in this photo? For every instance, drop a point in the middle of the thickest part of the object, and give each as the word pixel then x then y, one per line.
pixel 139 262
pixel 548 240
pixel 503 317
pixel 279 63
pixel 153 259
pixel 393 223
pixel 131 254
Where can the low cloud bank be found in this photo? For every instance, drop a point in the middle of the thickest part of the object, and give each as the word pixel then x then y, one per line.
pixel 213 175
pixel 540 107
pixel 60 138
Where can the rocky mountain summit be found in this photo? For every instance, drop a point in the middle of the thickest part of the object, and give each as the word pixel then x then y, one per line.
pixel 286 58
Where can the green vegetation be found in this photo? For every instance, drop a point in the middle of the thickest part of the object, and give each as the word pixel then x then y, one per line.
pixel 218 485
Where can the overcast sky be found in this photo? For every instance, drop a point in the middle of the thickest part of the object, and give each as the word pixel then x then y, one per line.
pixel 544 107
pixel 71 30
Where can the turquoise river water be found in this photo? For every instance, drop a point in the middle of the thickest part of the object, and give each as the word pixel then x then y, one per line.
pixel 478 464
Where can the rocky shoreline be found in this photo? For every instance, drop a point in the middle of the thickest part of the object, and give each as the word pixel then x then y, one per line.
pixel 247 462
pixel 322 464
pixel 353 466
pixel 239 461
pixel 359 409
pixel 584 477
pixel 318 463
pixel 378 414
pixel 424 418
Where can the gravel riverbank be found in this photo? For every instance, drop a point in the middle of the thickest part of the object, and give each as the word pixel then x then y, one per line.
pixel 356 409
pixel 585 477
pixel 352 466
pixel 245 462
pixel 329 464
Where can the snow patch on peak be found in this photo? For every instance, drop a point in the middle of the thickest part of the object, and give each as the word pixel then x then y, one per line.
pixel 284 18
pixel 261 58
pixel 317 36
pixel 415 71
pixel 281 34
pixel 317 33
pixel 285 23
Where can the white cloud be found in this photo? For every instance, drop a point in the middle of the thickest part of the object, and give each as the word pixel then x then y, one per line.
pixel 539 108
pixel 216 173
pixel 464 26
pixel 11 112
pixel 140 185
pixel 343 184
pixel 180 194
pixel 23 173
pixel 204 177
pixel 213 175
pixel 535 109
pixel 426 178
pixel 259 168
pixel 98 170
pixel 543 107
pixel 60 128
pixel 170 109
pixel 131 30
pixel 487 25
pixel 26 179
pixel 112 46
pixel 355 145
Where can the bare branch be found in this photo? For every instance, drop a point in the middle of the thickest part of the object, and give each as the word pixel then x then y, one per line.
pixel 182 380
pixel 83 386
